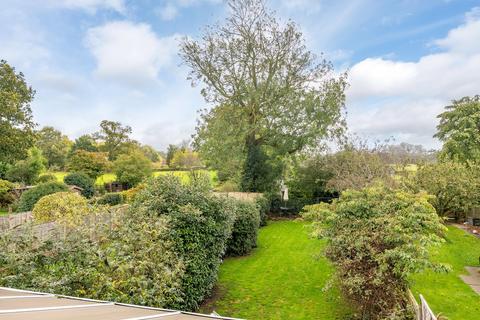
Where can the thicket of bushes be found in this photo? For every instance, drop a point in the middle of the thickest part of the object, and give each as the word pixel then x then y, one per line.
pixel 29 198
pixel 164 251
pixel 83 181
pixel 111 199
pixel 376 238
pixel 6 197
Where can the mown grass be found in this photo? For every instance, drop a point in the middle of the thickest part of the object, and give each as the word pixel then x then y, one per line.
pixel 446 293
pixel 284 278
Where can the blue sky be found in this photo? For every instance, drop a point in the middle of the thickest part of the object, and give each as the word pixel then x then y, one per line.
pixel 91 60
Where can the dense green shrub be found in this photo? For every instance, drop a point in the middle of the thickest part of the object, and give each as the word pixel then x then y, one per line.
pixel 30 197
pixel 133 262
pixel 27 171
pixel 376 238
pixel 199 227
pixel 455 187
pixel 46 178
pixel 83 181
pixel 132 168
pixel 263 204
pixel 67 208
pixel 111 199
pixel 6 197
pixel 245 229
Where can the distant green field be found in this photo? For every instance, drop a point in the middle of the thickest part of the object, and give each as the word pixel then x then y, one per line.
pixel 110 177
pixel 446 293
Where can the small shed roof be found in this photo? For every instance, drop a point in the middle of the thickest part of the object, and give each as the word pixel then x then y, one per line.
pixel 23 304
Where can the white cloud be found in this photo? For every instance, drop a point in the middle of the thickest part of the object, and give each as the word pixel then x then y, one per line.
pixel 413 93
pixel 91 6
pixel 129 53
pixel 168 12
pixel 171 9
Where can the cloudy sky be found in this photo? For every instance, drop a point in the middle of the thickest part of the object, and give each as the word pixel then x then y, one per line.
pixel 117 59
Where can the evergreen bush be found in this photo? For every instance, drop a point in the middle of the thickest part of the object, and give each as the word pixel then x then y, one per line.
pixel 29 198
pixel 83 181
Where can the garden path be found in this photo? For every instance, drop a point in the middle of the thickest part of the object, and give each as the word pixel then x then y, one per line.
pixel 473 279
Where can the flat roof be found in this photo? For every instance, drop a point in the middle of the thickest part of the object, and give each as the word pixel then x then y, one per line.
pixel 18 304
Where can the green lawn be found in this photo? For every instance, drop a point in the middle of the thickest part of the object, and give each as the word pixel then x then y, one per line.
pixel 283 278
pixel 447 293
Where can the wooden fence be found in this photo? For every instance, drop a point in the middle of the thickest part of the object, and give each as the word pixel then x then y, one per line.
pixel 53 230
pixel 422 310
pixel 13 220
pixel 245 196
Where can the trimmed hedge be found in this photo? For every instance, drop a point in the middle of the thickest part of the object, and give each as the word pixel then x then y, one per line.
pixel 29 198
pixel 83 181
pixel 200 225
pixel 111 199
pixel 245 229
pixel 67 208
pixel 263 205
pixel 46 178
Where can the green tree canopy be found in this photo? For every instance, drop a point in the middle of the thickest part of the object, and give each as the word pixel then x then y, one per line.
pixel 16 121
pixel 92 164
pixel 54 146
pixel 285 97
pixel 113 135
pixel 459 130
pixel 170 153
pixel 27 171
pixel 132 168
pixel 85 142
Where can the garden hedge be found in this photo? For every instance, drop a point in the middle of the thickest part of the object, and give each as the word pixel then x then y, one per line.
pixel 111 199
pixel 83 181
pixel 245 229
pixel 200 225
pixel 29 198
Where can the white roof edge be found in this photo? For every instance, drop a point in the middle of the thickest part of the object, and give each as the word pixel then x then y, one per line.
pixel 122 304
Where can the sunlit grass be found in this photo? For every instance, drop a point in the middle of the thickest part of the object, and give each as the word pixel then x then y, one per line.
pixel 284 278
pixel 446 293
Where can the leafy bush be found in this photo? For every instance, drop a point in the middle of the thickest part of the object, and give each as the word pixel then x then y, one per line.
pixel 111 199
pixel 27 171
pixel 200 225
pixel 245 229
pixel 83 181
pixel 6 197
pixel 46 178
pixel 376 238
pixel 263 205
pixel 132 168
pixel 455 187
pixel 66 207
pixel 29 198
pixel 93 164
pixel 133 262
pixel 130 194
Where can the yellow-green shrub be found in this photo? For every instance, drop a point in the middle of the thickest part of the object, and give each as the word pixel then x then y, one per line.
pixel 64 207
